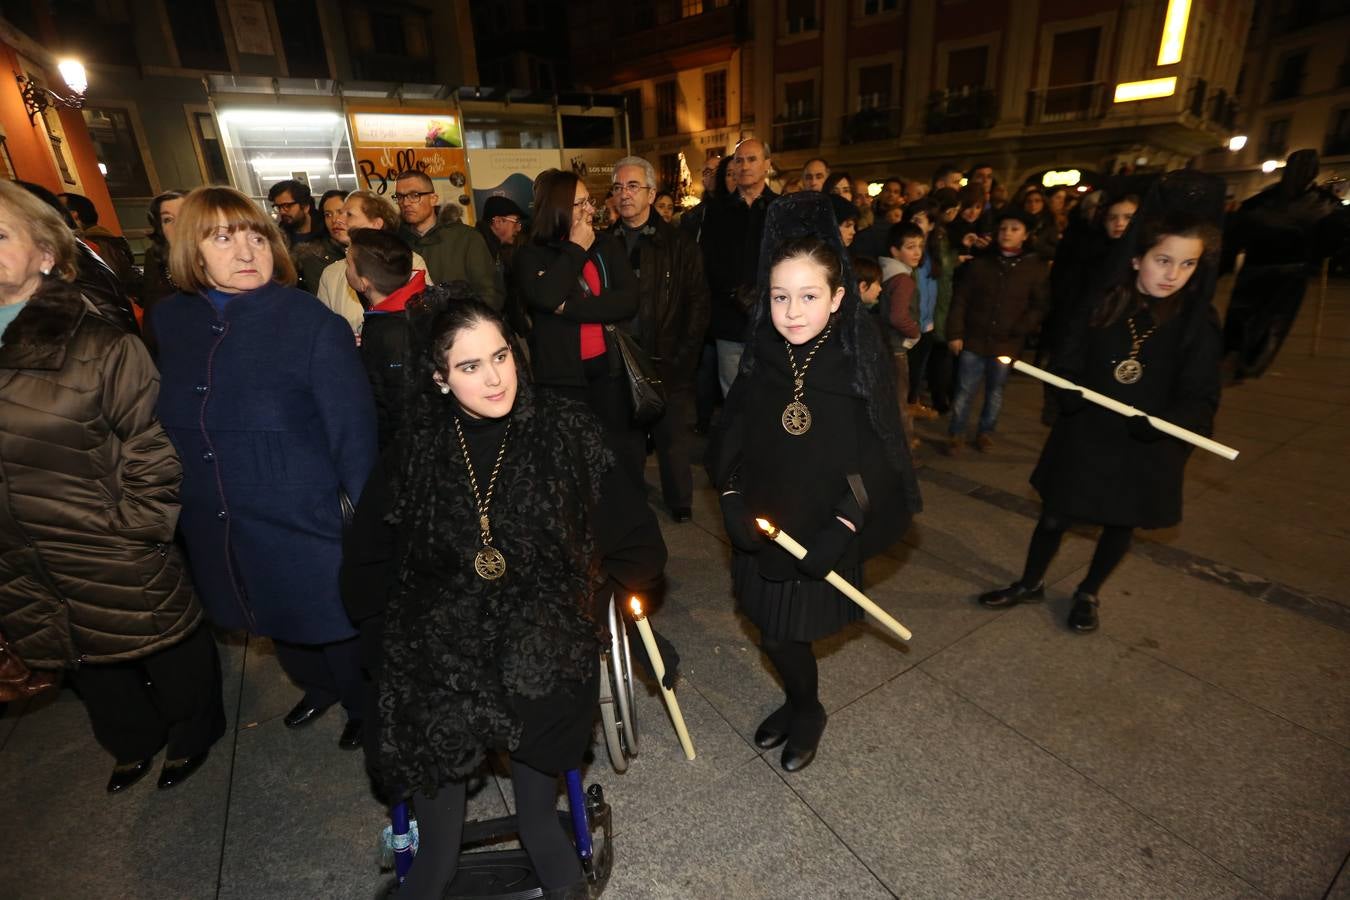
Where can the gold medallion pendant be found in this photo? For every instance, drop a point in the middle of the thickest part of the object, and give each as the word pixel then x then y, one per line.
pixel 1129 371
pixel 796 418
pixel 489 563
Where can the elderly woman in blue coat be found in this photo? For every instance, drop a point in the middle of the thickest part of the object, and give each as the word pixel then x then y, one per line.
pixel 265 398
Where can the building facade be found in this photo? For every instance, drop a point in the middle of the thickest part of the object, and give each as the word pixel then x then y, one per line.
pixel 1293 93
pixel 881 87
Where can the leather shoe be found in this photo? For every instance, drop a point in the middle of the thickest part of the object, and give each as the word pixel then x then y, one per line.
pixel 127 774
pixel 1083 616
pixel 176 771
pixel 1012 595
pixel 683 514
pixel 303 713
pixel 802 743
pixel 351 735
pixel 774 730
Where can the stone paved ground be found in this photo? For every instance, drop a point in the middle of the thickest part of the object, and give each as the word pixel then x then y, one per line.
pixel 1197 746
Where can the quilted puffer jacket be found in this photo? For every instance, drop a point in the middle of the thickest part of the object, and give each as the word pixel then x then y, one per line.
pixel 88 492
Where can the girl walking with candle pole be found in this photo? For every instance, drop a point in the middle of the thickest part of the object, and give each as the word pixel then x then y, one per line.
pixel 810 439
pixel 1151 341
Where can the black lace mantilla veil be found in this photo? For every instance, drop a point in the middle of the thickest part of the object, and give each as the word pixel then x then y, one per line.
pixel 810 214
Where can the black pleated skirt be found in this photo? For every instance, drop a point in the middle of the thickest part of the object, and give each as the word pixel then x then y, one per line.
pixel 805 610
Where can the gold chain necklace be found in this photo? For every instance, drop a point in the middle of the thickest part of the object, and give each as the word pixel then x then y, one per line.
pixel 797 415
pixel 488 562
pixel 1130 369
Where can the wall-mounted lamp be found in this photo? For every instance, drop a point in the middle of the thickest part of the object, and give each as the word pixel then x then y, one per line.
pixel 37 98
pixel 1237 142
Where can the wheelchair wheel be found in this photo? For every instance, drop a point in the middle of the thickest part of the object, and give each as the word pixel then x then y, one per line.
pixel 617 700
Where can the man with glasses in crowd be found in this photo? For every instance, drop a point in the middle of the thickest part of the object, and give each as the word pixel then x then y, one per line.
pixel 453 252
pixel 293 205
pixel 672 317
pixel 500 225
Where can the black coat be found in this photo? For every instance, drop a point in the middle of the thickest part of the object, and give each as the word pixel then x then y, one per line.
pixel 548 275
pixel 732 234
pixel 1101 467
pixel 384 353
pixel 998 302
pixel 672 299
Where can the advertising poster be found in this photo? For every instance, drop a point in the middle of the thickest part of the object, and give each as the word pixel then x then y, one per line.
pixel 595 168
pixel 508 173
pixel 392 140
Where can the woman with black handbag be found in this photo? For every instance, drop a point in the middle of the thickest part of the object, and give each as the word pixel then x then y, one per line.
pixel 582 293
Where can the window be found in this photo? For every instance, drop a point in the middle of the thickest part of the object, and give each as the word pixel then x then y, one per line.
pixel 876 7
pixel 1277 138
pixel 668 172
pixel 117 151
pixel 800 97
pixel 214 170
pixel 715 99
pixel 967 68
pixel 666 119
pixel 632 101
pixel 801 16
pixel 302 39
pixel 1289 82
pixel 198 36
pixel 874 87
pixel 691 8
pixel 1338 137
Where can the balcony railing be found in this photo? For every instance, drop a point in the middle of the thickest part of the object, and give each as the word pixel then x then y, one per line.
pixel 1223 110
pixel 1195 104
pixel 877 124
pixel 1286 89
pixel 1066 103
pixel 796 134
pixel 1336 145
pixel 962 109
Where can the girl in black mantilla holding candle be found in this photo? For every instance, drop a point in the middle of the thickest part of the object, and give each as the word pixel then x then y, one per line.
pixel 474 564
pixel 810 439
pixel 1152 340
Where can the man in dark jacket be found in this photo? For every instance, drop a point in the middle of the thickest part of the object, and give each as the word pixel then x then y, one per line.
pixel 672 317
pixel 732 231
pixel 1000 300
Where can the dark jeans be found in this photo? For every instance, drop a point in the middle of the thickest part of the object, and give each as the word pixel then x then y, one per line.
pixel 671 436
pixel 941 376
pixel 171 697
pixel 918 365
pixel 974 370
pixel 327 673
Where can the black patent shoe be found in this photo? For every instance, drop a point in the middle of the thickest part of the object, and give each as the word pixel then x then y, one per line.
pixel 1012 595
pixel 351 735
pixel 303 713
pixel 774 730
pixel 801 746
pixel 1083 616
pixel 177 771
pixel 125 775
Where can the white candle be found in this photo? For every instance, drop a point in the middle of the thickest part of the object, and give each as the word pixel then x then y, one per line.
pixel 784 540
pixel 659 669
pixel 1124 409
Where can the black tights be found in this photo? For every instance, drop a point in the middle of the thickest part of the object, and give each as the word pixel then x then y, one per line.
pixel 1111 549
pixel 440 825
pixel 796 665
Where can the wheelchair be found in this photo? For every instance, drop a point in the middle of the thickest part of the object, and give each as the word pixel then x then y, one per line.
pixel 508 874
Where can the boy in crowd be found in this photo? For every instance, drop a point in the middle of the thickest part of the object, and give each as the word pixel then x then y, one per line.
pixel 899 304
pixel 998 302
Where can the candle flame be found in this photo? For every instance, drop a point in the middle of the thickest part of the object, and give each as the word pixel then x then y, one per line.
pixel 764 525
pixel 636 606
pixel 1006 360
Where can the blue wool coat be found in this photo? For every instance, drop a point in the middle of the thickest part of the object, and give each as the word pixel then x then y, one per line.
pixel 271 412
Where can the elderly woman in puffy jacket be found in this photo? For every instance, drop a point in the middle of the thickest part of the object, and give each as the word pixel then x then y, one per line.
pixel 90 580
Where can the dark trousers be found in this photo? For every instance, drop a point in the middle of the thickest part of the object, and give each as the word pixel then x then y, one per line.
pixel 607 396
pixel 670 434
pixel 707 392
pixel 327 673
pixel 169 698
pixel 918 366
pixel 941 376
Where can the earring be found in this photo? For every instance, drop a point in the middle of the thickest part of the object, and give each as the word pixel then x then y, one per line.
pixel 46 270
pixel 445 388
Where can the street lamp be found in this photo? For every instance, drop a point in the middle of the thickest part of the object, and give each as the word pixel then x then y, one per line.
pixel 37 98
pixel 1270 165
pixel 1237 142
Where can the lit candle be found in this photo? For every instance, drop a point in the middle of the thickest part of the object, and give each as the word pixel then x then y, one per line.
pixel 659 669
pixel 784 540
pixel 1124 409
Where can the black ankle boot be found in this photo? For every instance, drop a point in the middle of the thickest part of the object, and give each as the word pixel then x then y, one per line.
pixel 774 730
pixel 803 740
pixel 1012 595
pixel 1083 616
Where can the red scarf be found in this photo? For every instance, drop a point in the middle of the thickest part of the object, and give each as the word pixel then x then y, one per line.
pixel 592 334
pixel 398 300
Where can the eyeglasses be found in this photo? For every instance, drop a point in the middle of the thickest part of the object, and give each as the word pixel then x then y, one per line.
pixel 582 204
pixel 411 196
pixel 514 220
pixel 630 187
pixel 278 207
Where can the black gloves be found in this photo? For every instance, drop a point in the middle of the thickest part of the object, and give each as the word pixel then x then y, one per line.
pixel 825 550
pixel 740 524
pixel 1141 430
pixel 669 655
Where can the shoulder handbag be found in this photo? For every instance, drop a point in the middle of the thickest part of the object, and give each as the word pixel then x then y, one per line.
pixel 644 385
